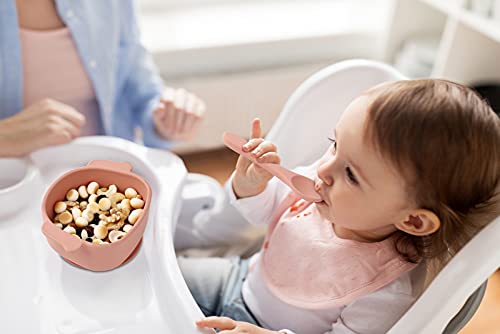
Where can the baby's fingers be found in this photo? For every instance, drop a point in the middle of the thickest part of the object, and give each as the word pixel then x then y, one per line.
pixel 252 144
pixel 263 148
pixel 256 129
pixel 217 322
pixel 270 158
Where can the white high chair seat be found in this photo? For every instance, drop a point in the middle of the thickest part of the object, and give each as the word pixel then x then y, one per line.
pixel 300 134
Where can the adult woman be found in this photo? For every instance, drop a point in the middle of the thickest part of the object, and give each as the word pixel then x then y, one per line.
pixel 71 68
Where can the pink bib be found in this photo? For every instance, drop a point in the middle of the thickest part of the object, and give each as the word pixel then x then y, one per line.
pixel 306 265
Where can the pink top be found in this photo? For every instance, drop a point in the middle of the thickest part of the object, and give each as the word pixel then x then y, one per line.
pixel 305 264
pixel 52 68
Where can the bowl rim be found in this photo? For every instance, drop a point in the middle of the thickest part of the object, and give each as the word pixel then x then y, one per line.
pixel 29 176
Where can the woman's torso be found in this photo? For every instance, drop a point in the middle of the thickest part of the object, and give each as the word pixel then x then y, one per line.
pixel 105 33
pixel 52 67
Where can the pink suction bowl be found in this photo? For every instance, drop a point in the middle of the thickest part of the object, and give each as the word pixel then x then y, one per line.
pixel 95 257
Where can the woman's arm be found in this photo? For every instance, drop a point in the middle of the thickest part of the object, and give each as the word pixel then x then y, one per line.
pixel 164 114
pixel 42 124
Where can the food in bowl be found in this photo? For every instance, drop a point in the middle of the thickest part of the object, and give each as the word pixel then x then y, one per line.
pixel 96 257
pixel 96 214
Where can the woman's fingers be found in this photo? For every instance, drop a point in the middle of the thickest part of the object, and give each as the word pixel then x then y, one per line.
pixel 71 128
pixel 167 122
pixel 70 114
pixel 180 100
pixel 195 108
pixel 168 95
pixel 168 104
pixel 59 131
pixel 58 128
pixel 159 112
pixel 188 119
pixel 184 112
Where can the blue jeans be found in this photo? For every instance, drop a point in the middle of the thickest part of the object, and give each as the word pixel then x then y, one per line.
pixel 215 284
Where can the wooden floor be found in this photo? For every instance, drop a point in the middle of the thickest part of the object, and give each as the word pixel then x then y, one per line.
pixel 220 163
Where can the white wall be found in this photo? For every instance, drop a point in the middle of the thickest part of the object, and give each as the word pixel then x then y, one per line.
pixel 245 59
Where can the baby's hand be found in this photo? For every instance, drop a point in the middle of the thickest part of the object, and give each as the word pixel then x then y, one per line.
pixel 228 324
pixel 249 178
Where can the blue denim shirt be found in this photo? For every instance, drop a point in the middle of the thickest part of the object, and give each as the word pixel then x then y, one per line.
pixel 124 77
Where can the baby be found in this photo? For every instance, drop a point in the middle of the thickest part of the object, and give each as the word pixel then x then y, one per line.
pixel 411 175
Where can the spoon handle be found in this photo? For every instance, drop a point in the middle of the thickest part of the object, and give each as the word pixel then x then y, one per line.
pixel 280 172
pixel 235 143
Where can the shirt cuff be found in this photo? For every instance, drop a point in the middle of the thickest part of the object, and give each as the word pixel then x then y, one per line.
pixel 256 209
pixel 247 201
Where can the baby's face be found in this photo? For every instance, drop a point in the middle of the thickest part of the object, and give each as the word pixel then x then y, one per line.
pixel 363 196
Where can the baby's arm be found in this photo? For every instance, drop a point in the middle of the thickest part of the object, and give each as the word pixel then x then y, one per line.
pixel 258 210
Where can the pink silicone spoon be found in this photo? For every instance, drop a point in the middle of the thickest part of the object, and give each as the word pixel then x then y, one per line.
pixel 303 186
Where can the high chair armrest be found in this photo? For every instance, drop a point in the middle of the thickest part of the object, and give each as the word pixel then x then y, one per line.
pixel 208 220
pixel 199 195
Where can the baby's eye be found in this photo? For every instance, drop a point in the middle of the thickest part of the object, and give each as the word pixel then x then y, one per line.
pixel 350 175
pixel 334 144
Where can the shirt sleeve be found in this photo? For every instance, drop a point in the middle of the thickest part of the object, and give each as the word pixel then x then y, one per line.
pixel 258 209
pixel 144 86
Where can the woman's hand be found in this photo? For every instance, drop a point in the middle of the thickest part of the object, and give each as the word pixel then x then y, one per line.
pixel 250 179
pixel 42 124
pixel 178 115
pixel 229 326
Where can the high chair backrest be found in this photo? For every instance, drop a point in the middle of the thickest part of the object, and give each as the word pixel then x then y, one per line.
pixel 309 116
pixel 454 284
pixel 301 132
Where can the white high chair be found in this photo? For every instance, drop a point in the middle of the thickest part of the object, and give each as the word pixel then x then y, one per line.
pixel 207 219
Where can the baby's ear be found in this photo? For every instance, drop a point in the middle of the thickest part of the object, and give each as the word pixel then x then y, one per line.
pixel 420 222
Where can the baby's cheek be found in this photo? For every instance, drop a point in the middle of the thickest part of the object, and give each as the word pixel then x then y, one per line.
pixel 346 210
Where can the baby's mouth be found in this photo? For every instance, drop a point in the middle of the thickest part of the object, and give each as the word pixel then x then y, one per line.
pixel 317 187
pixel 322 201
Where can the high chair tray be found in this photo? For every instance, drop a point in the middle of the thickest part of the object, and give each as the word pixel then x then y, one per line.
pixel 42 293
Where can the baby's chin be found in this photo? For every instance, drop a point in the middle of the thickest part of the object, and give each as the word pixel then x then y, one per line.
pixel 324 211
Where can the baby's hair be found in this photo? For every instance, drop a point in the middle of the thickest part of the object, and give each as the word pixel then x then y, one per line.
pixel 445 142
